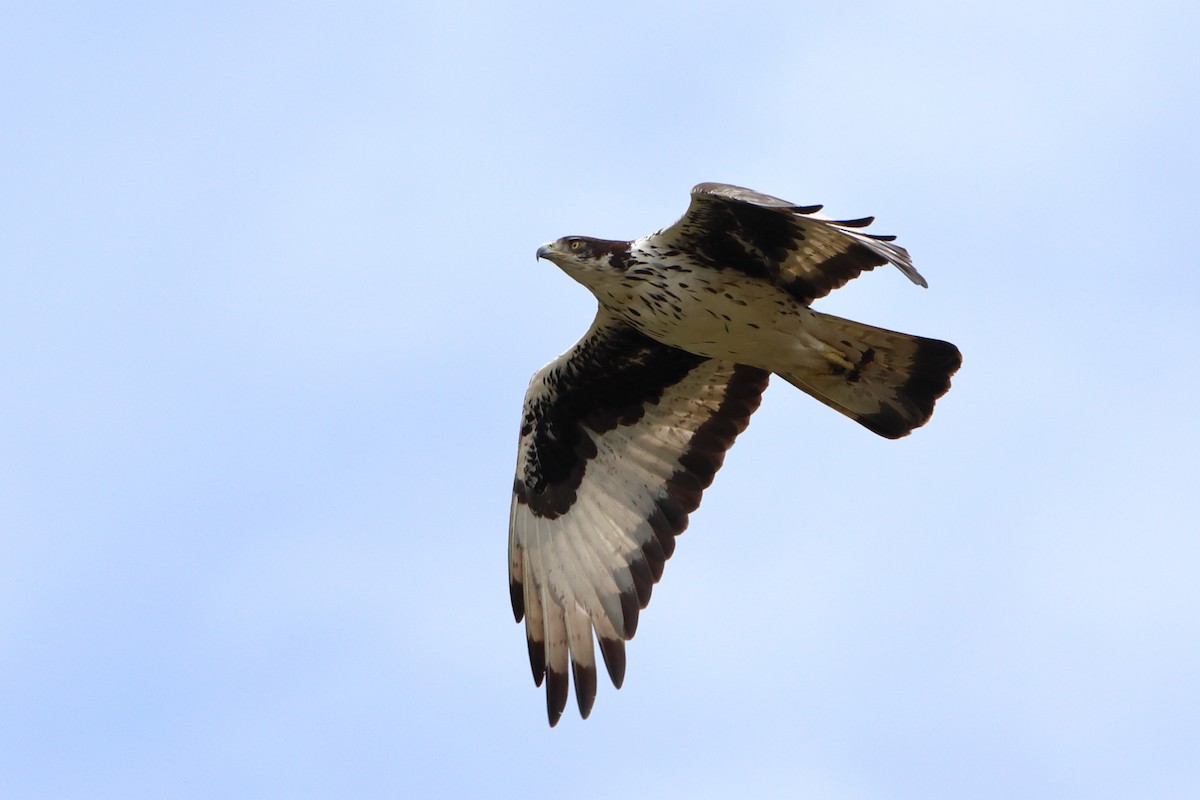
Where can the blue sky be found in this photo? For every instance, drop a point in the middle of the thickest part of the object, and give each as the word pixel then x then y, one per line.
pixel 269 305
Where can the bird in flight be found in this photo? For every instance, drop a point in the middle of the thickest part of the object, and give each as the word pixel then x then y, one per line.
pixel 621 434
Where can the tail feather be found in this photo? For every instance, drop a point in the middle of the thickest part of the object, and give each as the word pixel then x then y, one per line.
pixel 887 382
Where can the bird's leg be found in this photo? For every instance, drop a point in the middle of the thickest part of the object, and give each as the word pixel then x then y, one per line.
pixel 836 358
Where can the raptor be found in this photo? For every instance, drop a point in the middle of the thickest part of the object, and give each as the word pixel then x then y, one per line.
pixel 621 434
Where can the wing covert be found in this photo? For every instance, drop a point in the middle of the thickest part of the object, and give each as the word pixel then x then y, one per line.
pixel 805 253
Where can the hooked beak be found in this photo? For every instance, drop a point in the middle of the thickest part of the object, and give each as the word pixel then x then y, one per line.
pixel 543 251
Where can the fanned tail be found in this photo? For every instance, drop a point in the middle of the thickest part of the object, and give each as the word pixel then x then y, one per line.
pixel 886 381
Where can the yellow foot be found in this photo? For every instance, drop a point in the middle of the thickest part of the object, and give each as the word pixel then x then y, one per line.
pixel 836 358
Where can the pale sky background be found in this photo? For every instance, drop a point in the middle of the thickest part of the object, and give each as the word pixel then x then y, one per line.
pixel 269 305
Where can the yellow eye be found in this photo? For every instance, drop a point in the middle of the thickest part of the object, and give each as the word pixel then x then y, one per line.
pixel 575 244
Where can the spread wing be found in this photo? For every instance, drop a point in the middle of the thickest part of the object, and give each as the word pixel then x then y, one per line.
pixel 805 253
pixel 619 438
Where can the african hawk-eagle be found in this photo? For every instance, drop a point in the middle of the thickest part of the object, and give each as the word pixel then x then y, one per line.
pixel 621 434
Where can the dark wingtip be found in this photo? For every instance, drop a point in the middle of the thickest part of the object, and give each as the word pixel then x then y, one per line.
pixel 629 612
pixel 516 594
pixel 643 577
pixel 656 559
pixel 613 651
pixel 537 660
pixel 664 529
pixel 585 687
pixel 556 695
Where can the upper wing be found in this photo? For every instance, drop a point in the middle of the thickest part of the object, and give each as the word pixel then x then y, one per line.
pixel 620 435
pixel 805 253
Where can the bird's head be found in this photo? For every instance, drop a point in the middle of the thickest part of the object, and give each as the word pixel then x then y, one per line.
pixel 585 259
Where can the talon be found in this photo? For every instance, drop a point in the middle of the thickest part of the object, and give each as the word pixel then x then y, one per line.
pixel 836 358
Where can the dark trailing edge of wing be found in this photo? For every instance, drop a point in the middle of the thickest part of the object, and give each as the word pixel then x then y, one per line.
pixel 613 651
pixel 682 493
pixel 584 678
pixel 683 490
pixel 697 466
pixel 756 234
pixel 611 381
pixel 516 594
pixel 557 692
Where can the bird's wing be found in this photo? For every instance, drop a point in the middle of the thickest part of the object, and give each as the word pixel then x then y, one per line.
pixel 619 438
pixel 805 253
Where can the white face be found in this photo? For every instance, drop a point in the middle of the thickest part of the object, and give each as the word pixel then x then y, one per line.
pixel 567 250
pixel 592 262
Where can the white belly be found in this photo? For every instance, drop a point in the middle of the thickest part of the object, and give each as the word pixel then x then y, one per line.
pixel 722 315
